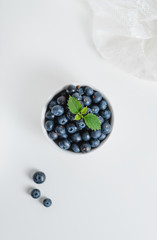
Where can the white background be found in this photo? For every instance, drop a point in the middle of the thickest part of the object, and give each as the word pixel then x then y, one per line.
pixel 108 194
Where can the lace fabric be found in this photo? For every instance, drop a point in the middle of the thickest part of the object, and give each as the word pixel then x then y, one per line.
pixel 125 33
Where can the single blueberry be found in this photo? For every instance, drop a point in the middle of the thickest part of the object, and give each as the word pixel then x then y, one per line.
pixel 87 100
pixel 60 130
pixel 87 128
pixel 47 202
pixel 89 110
pixel 95 109
pixel 63 93
pixel 49 115
pixel 79 90
pixel 85 147
pixel 106 128
pixel 62 120
pixel 49 125
pixel 57 110
pixel 80 124
pixel 71 89
pixel 70 116
pixel 94 143
pixel 65 144
pixel 75 148
pixel 71 128
pixel 102 137
pixel 77 96
pixel 64 136
pixel 61 100
pixel 106 114
pixel 101 119
pixel 76 137
pixel 39 177
pixel 95 134
pixel 35 193
pixel 88 91
pixel 103 105
pixel 52 103
pixel 53 135
pixel 85 136
pixel 97 97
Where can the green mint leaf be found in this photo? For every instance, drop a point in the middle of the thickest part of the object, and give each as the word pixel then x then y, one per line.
pixel 84 110
pixel 74 105
pixel 77 117
pixel 92 121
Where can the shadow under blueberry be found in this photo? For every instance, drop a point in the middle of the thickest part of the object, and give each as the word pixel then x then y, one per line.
pixel 29 190
pixel 31 172
pixel 41 199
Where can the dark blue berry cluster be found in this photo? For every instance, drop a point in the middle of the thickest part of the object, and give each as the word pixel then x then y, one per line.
pixel 73 135
pixel 39 177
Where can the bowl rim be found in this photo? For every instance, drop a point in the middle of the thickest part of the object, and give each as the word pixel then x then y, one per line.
pixel 43 118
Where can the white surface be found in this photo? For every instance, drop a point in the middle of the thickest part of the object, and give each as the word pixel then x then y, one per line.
pixel 109 194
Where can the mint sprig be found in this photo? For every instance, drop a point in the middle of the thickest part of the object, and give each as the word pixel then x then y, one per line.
pixel 74 105
pixel 91 120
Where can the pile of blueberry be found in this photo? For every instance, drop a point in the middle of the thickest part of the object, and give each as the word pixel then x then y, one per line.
pixel 73 135
pixel 39 177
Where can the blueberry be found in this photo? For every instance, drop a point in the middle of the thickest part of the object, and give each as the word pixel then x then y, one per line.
pixel 95 109
pixel 106 114
pixel 71 128
pixel 62 120
pixel 75 148
pixel 89 110
pixel 61 100
pixel 70 116
pixel 76 137
pixel 65 144
pixel 35 193
pixel 79 90
pixel 71 89
pixel 57 110
pixel 49 125
pixel 80 124
pixel 85 147
pixel 106 128
pixel 85 136
pixel 97 97
pixel 47 202
pixel 53 135
pixel 60 130
pixel 52 103
pixel 49 115
pixel 102 137
pixel 87 100
pixel 65 135
pixel 87 128
pixel 77 96
pixel 101 119
pixel 95 134
pixel 103 105
pixel 39 177
pixel 63 93
pixel 88 91
pixel 94 143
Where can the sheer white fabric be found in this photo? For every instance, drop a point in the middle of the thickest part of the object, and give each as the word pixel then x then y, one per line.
pixel 125 33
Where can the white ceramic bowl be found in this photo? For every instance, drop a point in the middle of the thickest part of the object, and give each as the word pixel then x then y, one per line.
pixel 52 142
